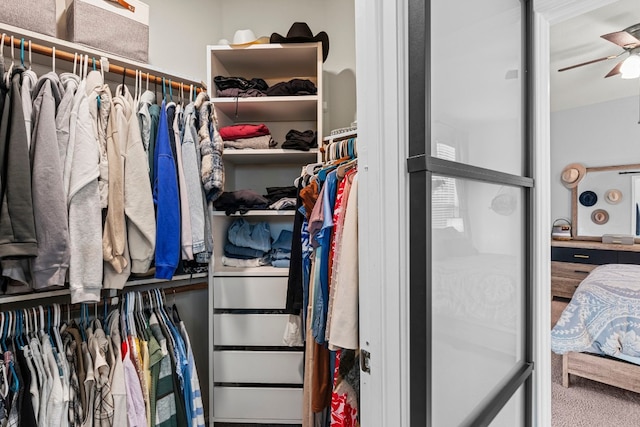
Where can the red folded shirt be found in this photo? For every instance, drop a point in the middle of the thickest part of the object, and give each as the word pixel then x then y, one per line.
pixel 231 133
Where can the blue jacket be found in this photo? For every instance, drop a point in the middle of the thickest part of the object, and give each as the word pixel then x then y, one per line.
pixel 167 200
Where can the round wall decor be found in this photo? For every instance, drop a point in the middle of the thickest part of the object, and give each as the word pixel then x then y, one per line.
pixel 588 198
pixel 600 216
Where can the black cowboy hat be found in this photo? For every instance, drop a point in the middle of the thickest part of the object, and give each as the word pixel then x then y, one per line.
pixel 301 33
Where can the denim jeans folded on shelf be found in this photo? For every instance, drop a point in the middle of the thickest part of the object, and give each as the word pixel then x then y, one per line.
pixel 233 251
pixel 283 241
pixel 256 236
pixel 279 254
pixel 280 263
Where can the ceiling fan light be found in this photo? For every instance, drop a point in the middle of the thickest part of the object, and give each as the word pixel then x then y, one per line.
pixel 630 68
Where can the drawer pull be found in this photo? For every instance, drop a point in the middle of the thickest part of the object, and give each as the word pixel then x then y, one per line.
pixel 581 271
pixel 581 256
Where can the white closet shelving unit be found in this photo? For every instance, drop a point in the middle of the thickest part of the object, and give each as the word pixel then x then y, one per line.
pixel 255 378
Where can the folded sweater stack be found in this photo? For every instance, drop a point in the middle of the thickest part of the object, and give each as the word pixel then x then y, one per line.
pixel 243 136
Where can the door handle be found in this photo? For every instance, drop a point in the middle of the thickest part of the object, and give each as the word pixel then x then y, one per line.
pixel 581 256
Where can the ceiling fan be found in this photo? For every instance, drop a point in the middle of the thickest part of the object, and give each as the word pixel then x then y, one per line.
pixel 629 40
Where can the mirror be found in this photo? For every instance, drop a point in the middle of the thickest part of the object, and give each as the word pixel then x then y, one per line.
pixel 606 201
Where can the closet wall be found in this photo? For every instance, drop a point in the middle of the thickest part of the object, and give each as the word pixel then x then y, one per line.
pixel 601 134
pixel 193 24
pixel 178 35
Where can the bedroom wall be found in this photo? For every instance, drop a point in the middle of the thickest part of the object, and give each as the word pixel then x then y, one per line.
pixel 180 31
pixel 602 134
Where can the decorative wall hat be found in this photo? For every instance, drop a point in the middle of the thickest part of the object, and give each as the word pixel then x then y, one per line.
pixel 572 174
pixel 243 38
pixel 600 216
pixel 301 33
pixel 613 196
pixel 588 198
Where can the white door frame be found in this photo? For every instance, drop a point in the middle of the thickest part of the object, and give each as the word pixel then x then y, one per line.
pixel 381 67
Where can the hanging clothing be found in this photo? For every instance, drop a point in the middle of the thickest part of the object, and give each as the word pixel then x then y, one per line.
pixel 17 225
pixel 197 408
pixel 116 371
pixel 141 225
pixel 136 412
pixel 165 191
pixel 114 232
pixel 147 99
pixel 191 165
pixel 186 241
pixel 81 172
pixel 29 80
pixel 211 148
pixel 166 408
pixel 103 406
pixel 99 99
pixel 27 414
pixel 344 324
pixel 49 268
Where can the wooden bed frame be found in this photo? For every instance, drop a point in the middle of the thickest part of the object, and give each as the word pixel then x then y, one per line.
pixel 617 373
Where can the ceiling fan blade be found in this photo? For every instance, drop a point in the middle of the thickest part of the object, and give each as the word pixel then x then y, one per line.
pixel 593 61
pixel 615 70
pixel 622 39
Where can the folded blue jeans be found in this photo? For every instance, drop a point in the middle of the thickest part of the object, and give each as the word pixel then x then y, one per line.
pixel 256 236
pixel 280 263
pixel 284 240
pixel 233 251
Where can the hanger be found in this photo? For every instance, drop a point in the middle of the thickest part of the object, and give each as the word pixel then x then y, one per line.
pixel 147 81
pixel 81 324
pixel 56 327
pixel 25 332
pixel 176 316
pixel 22 52
pixel 86 66
pixel 124 75
pixel 142 324
pixel 75 60
pixel 10 69
pixel 4 387
pixel 8 333
pixel 136 90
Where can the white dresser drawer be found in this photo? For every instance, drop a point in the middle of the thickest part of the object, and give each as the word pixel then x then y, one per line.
pixel 270 367
pixel 249 404
pixel 250 292
pixel 249 329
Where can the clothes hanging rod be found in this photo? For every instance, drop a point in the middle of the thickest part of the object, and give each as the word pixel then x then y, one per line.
pixel 113 68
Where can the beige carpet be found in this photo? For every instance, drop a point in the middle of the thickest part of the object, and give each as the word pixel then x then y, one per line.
pixel 589 403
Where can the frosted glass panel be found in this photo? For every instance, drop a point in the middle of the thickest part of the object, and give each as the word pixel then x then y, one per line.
pixel 512 415
pixel 476 83
pixel 477 292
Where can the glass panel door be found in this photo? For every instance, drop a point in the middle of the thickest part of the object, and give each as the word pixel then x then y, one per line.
pixel 471 327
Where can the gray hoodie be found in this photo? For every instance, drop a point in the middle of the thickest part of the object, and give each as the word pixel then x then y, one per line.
pixel 49 268
pixel 17 227
pixel 29 80
pixel 83 200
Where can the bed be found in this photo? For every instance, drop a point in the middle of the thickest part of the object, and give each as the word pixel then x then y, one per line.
pixel 598 333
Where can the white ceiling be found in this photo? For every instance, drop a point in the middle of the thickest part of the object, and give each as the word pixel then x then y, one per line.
pixel 578 40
